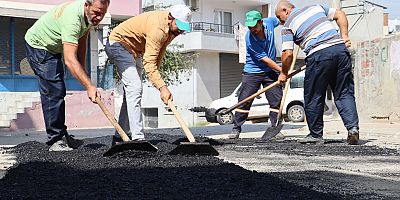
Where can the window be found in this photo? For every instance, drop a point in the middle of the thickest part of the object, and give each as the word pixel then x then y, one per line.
pixel 193 4
pixel 12 41
pixel 224 21
pixel 150 117
pixel 5 44
pixel 22 66
pixel 297 82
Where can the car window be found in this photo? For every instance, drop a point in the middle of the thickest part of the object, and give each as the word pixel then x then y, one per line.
pixel 297 82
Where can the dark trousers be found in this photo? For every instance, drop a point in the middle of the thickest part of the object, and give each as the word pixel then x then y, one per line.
pixel 330 66
pixel 50 71
pixel 251 84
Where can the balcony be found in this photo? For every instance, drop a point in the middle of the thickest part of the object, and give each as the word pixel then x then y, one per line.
pixel 210 27
pixel 209 37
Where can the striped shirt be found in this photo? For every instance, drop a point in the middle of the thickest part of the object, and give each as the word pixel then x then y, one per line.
pixel 311 29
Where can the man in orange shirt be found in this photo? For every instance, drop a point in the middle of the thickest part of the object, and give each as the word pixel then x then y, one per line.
pixel 146 35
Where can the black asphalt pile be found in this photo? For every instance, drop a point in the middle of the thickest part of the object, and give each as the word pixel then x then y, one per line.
pixel 85 174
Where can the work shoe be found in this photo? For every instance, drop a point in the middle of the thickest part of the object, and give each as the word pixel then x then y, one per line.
pixel 353 136
pixel 138 137
pixel 310 139
pixel 235 134
pixel 60 145
pixel 72 142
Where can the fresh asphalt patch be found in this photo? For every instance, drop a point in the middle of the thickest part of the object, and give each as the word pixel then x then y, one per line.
pixel 85 174
pixel 349 171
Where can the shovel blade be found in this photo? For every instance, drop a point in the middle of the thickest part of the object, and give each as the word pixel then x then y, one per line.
pixel 194 148
pixel 130 145
pixel 272 132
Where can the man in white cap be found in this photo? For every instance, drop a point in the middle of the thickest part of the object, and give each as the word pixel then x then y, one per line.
pixel 143 38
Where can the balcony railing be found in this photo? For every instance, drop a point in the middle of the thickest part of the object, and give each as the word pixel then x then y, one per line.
pixel 210 27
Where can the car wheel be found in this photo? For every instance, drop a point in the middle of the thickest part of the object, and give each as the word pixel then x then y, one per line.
pixel 225 119
pixel 296 113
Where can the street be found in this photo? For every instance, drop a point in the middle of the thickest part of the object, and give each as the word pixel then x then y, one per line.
pixel 246 168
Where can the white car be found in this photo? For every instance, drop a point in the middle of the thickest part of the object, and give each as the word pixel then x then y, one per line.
pixel 293 107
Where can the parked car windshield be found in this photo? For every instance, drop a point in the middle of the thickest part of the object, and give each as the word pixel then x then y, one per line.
pixel 297 82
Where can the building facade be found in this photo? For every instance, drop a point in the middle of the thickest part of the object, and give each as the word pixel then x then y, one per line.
pixel 18 85
pixel 214 38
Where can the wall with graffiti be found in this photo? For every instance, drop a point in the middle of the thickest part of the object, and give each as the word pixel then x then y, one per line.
pixel 377 77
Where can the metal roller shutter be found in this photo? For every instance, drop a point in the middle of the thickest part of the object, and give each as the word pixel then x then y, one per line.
pixel 230 73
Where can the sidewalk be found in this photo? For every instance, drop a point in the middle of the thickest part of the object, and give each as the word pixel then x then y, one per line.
pixel 372 132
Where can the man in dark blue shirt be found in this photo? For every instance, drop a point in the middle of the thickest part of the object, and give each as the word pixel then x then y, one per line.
pixel 260 68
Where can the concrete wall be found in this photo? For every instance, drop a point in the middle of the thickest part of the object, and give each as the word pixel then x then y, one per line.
pixel 377 77
pixel 208 73
pixel 183 95
pixel 80 113
pixel 207 7
pixel 196 89
pixel 207 41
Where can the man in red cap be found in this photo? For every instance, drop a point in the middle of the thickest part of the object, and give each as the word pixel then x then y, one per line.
pixel 143 38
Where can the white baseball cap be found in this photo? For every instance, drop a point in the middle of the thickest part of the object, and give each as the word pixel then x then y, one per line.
pixel 182 15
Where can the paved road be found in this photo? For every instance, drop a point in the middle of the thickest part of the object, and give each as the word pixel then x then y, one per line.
pixel 371 167
pixel 7 159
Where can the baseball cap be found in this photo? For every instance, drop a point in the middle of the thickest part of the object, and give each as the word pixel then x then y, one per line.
pixel 182 15
pixel 252 17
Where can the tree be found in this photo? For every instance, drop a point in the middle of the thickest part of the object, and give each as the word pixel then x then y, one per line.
pixel 176 65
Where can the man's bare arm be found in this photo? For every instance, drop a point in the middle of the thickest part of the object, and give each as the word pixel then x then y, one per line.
pixel 342 22
pixel 270 63
pixel 287 58
pixel 77 70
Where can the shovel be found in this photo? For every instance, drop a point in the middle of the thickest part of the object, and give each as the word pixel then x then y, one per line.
pixel 127 144
pixel 274 130
pixel 276 83
pixel 192 147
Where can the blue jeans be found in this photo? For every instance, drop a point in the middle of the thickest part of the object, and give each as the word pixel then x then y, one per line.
pixel 251 84
pixel 50 71
pixel 330 66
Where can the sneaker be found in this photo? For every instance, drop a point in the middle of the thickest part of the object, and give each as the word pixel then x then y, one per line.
pixel 235 134
pixel 353 136
pixel 138 139
pixel 60 145
pixel 72 142
pixel 310 139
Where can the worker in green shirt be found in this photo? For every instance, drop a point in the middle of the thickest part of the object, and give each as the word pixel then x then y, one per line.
pixel 60 34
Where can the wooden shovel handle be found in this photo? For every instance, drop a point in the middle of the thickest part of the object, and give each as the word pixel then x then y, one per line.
pixel 276 83
pixel 114 122
pixel 287 84
pixel 178 117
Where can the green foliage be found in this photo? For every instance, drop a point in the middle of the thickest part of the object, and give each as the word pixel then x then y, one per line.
pixel 176 66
